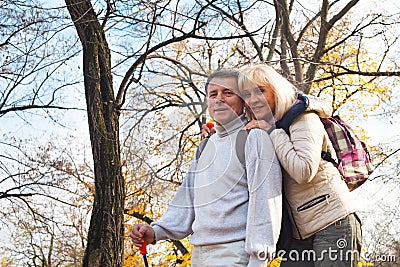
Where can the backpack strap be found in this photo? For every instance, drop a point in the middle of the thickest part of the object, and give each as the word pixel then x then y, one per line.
pixel 328 157
pixel 295 111
pixel 201 147
pixel 240 145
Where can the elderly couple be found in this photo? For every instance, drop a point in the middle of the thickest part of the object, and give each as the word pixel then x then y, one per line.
pixel 233 209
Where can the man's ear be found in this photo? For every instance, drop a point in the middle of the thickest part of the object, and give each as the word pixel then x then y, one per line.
pixel 247 114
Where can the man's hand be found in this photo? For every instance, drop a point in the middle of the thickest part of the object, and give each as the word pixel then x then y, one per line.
pixel 206 131
pixel 140 233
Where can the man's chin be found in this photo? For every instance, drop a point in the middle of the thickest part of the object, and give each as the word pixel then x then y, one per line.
pixel 223 121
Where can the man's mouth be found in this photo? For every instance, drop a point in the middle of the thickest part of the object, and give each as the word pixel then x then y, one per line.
pixel 220 109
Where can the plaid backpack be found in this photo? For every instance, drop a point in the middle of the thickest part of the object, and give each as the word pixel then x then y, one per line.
pixel 354 162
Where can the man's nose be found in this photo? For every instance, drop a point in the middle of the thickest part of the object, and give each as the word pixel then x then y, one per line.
pixel 220 97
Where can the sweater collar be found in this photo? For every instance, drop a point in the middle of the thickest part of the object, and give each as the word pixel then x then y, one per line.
pixel 230 127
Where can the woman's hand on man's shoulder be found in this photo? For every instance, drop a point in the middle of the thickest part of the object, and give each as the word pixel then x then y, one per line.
pixel 260 124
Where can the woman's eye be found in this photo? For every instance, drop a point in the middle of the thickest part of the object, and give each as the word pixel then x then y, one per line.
pixel 245 94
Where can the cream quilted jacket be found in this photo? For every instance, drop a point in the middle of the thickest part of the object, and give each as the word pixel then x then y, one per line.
pixel 314 189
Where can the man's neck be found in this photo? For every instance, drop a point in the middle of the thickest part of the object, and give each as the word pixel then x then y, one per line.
pixel 231 126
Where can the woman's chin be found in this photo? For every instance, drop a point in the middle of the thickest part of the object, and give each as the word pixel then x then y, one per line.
pixel 268 118
pixel 259 116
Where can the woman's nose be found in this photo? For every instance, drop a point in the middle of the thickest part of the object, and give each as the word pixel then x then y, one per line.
pixel 254 98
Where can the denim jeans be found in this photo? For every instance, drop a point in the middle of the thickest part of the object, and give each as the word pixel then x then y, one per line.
pixel 231 254
pixel 338 245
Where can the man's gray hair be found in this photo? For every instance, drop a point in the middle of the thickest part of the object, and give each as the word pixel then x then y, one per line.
pixel 223 73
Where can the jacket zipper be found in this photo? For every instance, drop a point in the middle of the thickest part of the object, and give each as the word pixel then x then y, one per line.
pixel 313 202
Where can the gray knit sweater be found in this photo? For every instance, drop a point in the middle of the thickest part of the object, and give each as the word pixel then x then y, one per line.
pixel 222 201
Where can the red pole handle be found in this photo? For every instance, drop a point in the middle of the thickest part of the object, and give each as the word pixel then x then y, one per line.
pixel 143 248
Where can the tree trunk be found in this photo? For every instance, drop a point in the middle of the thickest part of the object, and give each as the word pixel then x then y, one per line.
pixel 105 237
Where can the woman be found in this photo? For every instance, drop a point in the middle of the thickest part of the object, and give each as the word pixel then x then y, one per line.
pixel 326 230
pixel 320 203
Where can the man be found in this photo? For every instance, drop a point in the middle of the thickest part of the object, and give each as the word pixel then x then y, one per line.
pixel 232 209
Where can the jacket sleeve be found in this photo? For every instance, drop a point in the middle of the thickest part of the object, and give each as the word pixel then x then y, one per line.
pixel 265 197
pixel 176 223
pixel 300 153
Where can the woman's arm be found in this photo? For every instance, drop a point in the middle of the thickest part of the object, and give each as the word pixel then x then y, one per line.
pixel 300 153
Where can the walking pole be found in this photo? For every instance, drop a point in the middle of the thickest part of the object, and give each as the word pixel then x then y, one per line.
pixel 143 251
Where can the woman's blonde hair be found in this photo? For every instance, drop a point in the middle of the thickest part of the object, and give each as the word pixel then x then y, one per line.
pixel 264 75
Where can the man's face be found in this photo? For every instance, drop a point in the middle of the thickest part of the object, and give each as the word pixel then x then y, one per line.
pixel 224 103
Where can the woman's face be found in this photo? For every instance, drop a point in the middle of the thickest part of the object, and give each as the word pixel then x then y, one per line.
pixel 259 101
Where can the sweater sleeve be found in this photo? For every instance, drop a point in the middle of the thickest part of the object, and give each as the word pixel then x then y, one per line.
pixel 176 222
pixel 300 153
pixel 265 197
